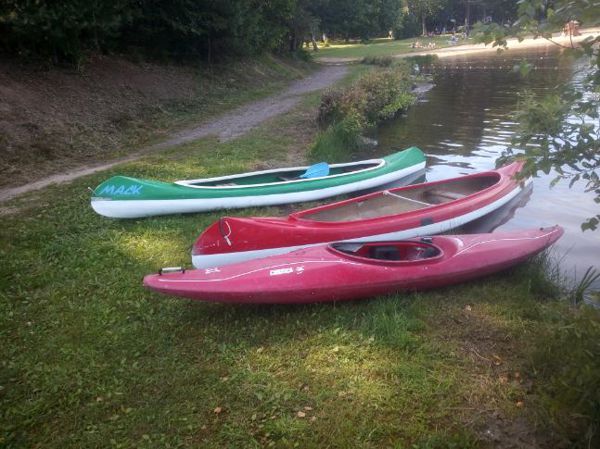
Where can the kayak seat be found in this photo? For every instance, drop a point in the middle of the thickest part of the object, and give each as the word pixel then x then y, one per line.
pixel 385 253
pixel 393 252
pixel 429 252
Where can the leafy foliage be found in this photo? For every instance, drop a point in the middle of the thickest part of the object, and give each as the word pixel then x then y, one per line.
pixel 61 31
pixel 345 114
pixel 424 9
pixel 559 132
pixel 375 97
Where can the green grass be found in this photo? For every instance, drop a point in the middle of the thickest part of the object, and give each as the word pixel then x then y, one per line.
pixel 382 47
pixel 89 359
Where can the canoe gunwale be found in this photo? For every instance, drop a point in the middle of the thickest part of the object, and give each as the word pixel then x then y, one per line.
pixel 212 259
pixel 380 164
pixel 301 216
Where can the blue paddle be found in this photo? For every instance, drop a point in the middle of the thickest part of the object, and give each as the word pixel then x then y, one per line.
pixel 316 171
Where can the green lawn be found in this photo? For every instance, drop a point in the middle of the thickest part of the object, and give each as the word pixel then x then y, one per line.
pixel 383 47
pixel 90 359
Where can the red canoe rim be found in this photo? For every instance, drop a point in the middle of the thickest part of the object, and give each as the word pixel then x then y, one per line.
pixel 505 173
pixel 215 238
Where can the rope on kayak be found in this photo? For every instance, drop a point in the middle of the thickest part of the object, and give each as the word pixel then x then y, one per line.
pixel 225 236
pixel 387 192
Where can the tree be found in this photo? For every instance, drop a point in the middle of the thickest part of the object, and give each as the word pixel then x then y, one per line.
pixel 424 9
pixel 60 31
pixel 559 132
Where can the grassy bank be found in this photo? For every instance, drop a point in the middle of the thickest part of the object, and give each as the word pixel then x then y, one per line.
pixel 62 118
pixel 383 47
pixel 90 359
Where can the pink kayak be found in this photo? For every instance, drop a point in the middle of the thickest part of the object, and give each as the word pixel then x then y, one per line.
pixel 394 214
pixel 347 270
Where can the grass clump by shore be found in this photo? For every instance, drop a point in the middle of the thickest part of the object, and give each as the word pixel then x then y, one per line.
pixel 346 114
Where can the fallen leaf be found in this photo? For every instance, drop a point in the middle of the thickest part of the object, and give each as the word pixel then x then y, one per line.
pixel 313 418
pixel 218 410
pixel 307 408
pixel 520 404
pixel 468 308
pixel 300 414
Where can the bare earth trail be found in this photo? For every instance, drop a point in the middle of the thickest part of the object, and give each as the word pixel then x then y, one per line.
pixel 233 124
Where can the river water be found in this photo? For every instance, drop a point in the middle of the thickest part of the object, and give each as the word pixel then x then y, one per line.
pixel 464 123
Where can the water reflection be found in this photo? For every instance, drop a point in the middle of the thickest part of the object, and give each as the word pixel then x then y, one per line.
pixel 464 123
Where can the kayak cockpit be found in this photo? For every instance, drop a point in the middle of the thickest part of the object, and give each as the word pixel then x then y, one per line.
pixel 398 201
pixel 402 251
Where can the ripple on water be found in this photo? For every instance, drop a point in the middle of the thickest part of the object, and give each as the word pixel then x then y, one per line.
pixel 466 123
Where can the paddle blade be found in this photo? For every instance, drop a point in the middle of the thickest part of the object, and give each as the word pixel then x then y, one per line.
pixel 316 171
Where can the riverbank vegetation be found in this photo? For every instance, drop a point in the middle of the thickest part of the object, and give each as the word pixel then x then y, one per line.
pixel 346 114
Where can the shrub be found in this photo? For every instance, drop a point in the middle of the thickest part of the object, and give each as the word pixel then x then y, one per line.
pixel 381 61
pixel 375 97
pixel 344 114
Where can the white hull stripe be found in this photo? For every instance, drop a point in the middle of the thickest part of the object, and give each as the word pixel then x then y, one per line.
pixel 268 268
pixel 215 260
pixel 145 208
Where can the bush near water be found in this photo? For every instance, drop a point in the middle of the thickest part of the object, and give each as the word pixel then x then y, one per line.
pixel 345 114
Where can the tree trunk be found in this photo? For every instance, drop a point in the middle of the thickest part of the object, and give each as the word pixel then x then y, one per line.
pixel 468 17
pixel 423 24
pixel 314 42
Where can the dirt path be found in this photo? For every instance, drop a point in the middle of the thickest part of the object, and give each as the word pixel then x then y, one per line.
pixel 229 126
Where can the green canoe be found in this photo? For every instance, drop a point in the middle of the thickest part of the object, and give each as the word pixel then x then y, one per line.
pixel 124 197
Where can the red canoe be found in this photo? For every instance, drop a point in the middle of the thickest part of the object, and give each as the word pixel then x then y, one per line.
pixel 395 214
pixel 342 271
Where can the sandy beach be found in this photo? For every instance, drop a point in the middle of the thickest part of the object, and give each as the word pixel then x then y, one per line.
pixel 558 39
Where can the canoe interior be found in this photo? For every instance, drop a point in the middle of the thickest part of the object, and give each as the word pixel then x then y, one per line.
pixel 409 199
pixel 282 175
pixel 390 251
